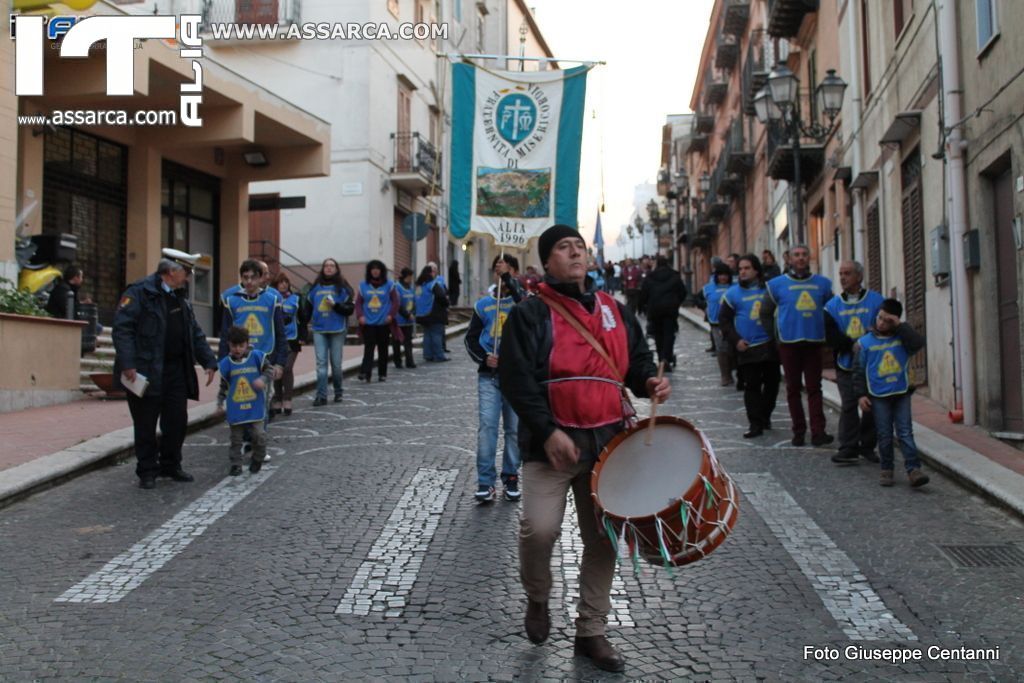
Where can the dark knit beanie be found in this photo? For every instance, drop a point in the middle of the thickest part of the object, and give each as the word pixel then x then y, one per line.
pixel 550 237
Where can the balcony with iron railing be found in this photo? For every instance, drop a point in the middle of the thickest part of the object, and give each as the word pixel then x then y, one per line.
pixel 416 164
pixel 735 17
pixel 786 16
pixel 251 12
pixel 727 52
pixel 756 67
pixel 703 122
pixel 716 86
pixel 698 134
pixel 781 158
pixel 738 153
pixel 716 202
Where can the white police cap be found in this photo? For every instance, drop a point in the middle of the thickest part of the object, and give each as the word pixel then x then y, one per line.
pixel 180 257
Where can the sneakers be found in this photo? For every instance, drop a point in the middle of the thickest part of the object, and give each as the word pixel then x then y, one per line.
pixel 917 477
pixel 255 466
pixel 319 401
pixel 235 470
pixel 846 458
pixel 512 492
pixel 822 439
pixel 885 479
pixel 484 494
pixel 798 440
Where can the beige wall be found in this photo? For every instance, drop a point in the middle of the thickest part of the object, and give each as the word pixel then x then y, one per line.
pixel 8 153
pixel 21 338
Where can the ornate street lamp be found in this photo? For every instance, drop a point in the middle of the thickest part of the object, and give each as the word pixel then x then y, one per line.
pixel 779 103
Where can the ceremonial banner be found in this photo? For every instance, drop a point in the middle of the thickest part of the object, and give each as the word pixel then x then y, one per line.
pixel 515 158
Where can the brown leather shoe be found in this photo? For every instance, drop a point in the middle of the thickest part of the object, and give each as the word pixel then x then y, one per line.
pixel 537 622
pixel 600 652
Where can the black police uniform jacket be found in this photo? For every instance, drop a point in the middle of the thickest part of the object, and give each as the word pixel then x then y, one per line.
pixel 140 329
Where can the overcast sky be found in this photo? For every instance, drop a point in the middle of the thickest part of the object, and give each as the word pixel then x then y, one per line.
pixel 653 49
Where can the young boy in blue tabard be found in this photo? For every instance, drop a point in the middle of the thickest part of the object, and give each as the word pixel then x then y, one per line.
pixel 245 374
pixel 883 387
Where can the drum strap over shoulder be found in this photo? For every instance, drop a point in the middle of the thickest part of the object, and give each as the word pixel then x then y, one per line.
pixel 628 411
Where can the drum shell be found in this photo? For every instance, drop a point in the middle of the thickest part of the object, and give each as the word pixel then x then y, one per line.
pixel 682 540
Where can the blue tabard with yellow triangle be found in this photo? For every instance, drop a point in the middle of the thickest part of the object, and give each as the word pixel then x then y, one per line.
pixel 747 302
pixel 493 319
pixel 325 319
pixel 713 293
pixel 884 359
pixel 854 317
pixel 290 308
pixel 800 307
pixel 425 298
pixel 257 316
pixel 244 403
pixel 406 303
pixel 376 301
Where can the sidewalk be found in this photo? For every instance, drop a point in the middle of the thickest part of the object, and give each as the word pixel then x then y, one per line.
pixel 967 454
pixel 42 447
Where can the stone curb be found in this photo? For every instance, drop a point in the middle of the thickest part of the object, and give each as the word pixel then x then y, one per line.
pixel 23 480
pixel 969 468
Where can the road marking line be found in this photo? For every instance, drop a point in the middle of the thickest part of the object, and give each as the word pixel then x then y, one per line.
pixel 387 575
pixel 127 571
pixel 569 558
pixel 845 592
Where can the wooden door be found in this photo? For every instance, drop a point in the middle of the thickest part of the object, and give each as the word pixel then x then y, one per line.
pixel 403 149
pixel 874 248
pixel 1008 305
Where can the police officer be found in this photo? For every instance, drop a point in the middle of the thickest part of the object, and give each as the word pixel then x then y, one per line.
pixel 156 335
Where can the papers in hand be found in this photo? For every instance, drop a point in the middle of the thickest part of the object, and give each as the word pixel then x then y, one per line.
pixel 137 387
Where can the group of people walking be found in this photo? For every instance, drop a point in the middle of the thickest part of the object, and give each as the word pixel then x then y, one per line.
pixel 759 323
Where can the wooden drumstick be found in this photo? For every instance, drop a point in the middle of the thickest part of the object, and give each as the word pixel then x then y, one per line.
pixel 654 408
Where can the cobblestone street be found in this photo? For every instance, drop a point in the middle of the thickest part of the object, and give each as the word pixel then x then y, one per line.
pixel 359 552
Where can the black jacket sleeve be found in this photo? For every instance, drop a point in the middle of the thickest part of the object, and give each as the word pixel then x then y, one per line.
pixel 522 367
pixel 912 341
pixel 727 324
pixel 124 329
pixel 768 315
pixel 472 340
pixel 835 337
pixel 700 300
pixel 512 286
pixel 860 380
pixel 225 322
pixel 201 346
pixel 281 349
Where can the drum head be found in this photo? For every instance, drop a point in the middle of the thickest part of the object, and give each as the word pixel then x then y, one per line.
pixel 639 480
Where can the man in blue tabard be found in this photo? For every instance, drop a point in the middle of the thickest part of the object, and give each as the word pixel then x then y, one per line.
pixel 258 311
pixel 483 344
pixel 794 312
pixel 710 299
pixel 851 314
pixel 404 317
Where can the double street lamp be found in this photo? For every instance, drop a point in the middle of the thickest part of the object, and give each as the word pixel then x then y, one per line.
pixel 779 103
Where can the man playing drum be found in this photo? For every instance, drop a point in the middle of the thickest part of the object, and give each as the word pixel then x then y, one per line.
pixel 567 356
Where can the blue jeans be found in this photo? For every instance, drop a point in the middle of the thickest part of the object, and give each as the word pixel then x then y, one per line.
pixel 894 412
pixel 328 344
pixel 492 407
pixel 433 341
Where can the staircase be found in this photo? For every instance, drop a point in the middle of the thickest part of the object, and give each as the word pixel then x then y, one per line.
pixel 102 360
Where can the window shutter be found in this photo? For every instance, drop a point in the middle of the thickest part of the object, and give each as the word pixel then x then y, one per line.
pixel 915 274
pixel 874 255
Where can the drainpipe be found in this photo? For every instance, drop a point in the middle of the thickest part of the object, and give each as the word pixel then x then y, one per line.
pixel 853 32
pixel 963 341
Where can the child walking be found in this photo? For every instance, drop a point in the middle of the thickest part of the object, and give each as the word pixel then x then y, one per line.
pixel 883 387
pixel 245 374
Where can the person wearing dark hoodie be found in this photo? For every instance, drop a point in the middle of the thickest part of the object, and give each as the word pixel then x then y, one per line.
pixel 661 295
pixel 376 306
pixel 483 342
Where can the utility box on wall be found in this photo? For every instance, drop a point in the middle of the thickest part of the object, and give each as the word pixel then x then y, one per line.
pixel 972 250
pixel 940 251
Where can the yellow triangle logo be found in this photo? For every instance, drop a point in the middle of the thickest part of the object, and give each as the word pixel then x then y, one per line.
pixel 755 311
pixel 374 304
pixel 325 305
pixel 889 365
pixel 243 392
pixel 252 323
pixel 855 330
pixel 806 302
pixel 501 321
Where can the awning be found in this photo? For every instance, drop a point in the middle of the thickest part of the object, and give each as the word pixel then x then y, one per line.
pixel 903 125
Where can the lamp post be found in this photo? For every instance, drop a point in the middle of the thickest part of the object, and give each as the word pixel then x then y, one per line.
pixel 779 103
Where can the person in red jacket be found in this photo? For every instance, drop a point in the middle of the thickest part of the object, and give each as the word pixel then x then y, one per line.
pixel 569 399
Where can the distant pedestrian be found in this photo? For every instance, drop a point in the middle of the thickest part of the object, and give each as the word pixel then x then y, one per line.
pixel 786 261
pixel 883 385
pixel 850 314
pixel 661 295
pixel 291 309
pixel 596 273
pixel 405 316
pixel 733 261
pixel 245 376
pixel 376 306
pixel 454 282
pixel 771 267
pixel 156 336
pixel 530 280
pixel 794 312
pixel 483 342
pixel 756 356
pixel 632 277
pixel 330 302
pixel 64 300
pixel 431 307
pixel 710 299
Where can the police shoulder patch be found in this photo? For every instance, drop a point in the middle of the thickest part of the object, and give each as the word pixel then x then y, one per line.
pixel 125 301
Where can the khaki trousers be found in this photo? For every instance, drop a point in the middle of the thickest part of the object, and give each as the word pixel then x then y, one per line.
pixel 544 496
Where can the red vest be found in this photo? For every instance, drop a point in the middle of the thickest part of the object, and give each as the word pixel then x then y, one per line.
pixel 583 391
